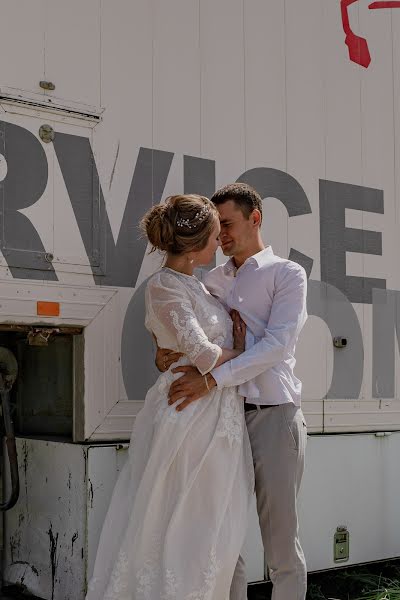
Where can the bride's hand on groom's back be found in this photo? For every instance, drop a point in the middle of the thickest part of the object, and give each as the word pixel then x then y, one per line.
pixel 239 331
pixel 165 357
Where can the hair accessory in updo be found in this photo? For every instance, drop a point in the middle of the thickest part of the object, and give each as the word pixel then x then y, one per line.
pixel 196 220
pixel 182 224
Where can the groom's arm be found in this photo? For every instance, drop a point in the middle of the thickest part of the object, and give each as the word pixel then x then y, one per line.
pixel 288 315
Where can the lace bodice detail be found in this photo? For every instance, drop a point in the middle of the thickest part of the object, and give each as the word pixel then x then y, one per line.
pixel 184 317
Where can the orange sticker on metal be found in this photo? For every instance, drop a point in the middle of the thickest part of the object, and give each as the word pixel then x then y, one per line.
pixel 48 309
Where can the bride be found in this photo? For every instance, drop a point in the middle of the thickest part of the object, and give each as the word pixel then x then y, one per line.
pixel 178 514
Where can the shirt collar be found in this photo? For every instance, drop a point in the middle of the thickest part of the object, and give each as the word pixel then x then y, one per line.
pixel 260 259
pixel 230 267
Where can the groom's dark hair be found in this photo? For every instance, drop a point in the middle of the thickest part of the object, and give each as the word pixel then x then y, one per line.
pixel 243 195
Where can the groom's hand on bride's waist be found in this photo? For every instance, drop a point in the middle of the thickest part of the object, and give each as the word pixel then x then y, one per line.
pixel 191 386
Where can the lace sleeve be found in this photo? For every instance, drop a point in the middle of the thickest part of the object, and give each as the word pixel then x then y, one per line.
pixel 168 301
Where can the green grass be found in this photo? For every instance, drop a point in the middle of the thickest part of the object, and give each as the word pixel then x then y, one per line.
pixel 387 590
pixel 378 581
pixel 375 582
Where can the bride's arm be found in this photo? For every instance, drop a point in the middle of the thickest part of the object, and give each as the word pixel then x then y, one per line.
pixel 166 357
pixel 191 385
pixel 168 304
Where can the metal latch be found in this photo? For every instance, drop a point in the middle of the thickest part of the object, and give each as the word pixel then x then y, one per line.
pixel 39 336
pixel 341 544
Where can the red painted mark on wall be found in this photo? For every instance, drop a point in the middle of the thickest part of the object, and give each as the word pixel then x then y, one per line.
pixel 382 4
pixel 357 45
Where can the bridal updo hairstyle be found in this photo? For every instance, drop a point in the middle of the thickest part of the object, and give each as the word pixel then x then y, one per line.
pixel 182 224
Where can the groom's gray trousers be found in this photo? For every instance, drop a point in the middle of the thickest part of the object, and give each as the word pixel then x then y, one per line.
pixel 278 438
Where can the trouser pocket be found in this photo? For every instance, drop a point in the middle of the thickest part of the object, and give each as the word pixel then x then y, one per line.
pixel 294 424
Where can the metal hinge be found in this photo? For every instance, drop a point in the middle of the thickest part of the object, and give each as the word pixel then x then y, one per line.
pixel 341 544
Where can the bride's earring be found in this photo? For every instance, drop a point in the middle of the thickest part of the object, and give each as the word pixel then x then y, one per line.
pixel 190 259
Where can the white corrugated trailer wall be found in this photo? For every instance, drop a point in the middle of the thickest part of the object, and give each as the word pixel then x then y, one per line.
pixel 304 118
pixel 360 150
pixel 247 84
pixel 255 84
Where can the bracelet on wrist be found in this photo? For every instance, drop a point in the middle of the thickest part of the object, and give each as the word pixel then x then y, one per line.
pixel 206 380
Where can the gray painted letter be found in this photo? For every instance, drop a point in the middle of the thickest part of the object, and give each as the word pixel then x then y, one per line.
pixel 119 263
pixel 386 321
pixel 137 352
pixel 198 176
pixel 328 303
pixel 23 185
pixel 272 183
pixel 337 239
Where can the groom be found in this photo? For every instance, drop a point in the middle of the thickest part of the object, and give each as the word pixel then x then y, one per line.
pixel 270 295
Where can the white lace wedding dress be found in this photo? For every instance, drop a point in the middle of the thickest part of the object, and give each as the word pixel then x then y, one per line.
pixel 178 514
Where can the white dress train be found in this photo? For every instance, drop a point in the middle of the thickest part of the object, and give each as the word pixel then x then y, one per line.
pixel 178 514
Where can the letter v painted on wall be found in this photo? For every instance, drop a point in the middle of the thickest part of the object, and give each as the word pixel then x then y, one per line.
pixel 112 263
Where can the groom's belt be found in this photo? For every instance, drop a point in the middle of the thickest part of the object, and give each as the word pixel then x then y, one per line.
pixel 248 407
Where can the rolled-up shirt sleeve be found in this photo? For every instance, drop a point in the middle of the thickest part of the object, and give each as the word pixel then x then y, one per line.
pixel 168 303
pixel 287 317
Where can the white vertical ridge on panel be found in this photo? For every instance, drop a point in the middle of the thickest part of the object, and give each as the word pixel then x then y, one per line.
pixel 127 86
pixel 40 213
pixel 396 114
pixel 265 84
pixel 22 63
pixel 343 83
pixel 378 172
pixel 94 375
pixel 102 366
pixel 177 76
pixel 126 92
pixel 311 369
pixel 394 281
pixel 71 260
pixel 112 353
pixel 306 163
pixel 265 106
pixel 343 136
pixel 102 473
pixel 72 49
pixel 394 275
pixel 305 116
pixel 222 82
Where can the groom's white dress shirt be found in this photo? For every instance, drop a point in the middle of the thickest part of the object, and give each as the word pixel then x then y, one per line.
pixel 270 294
